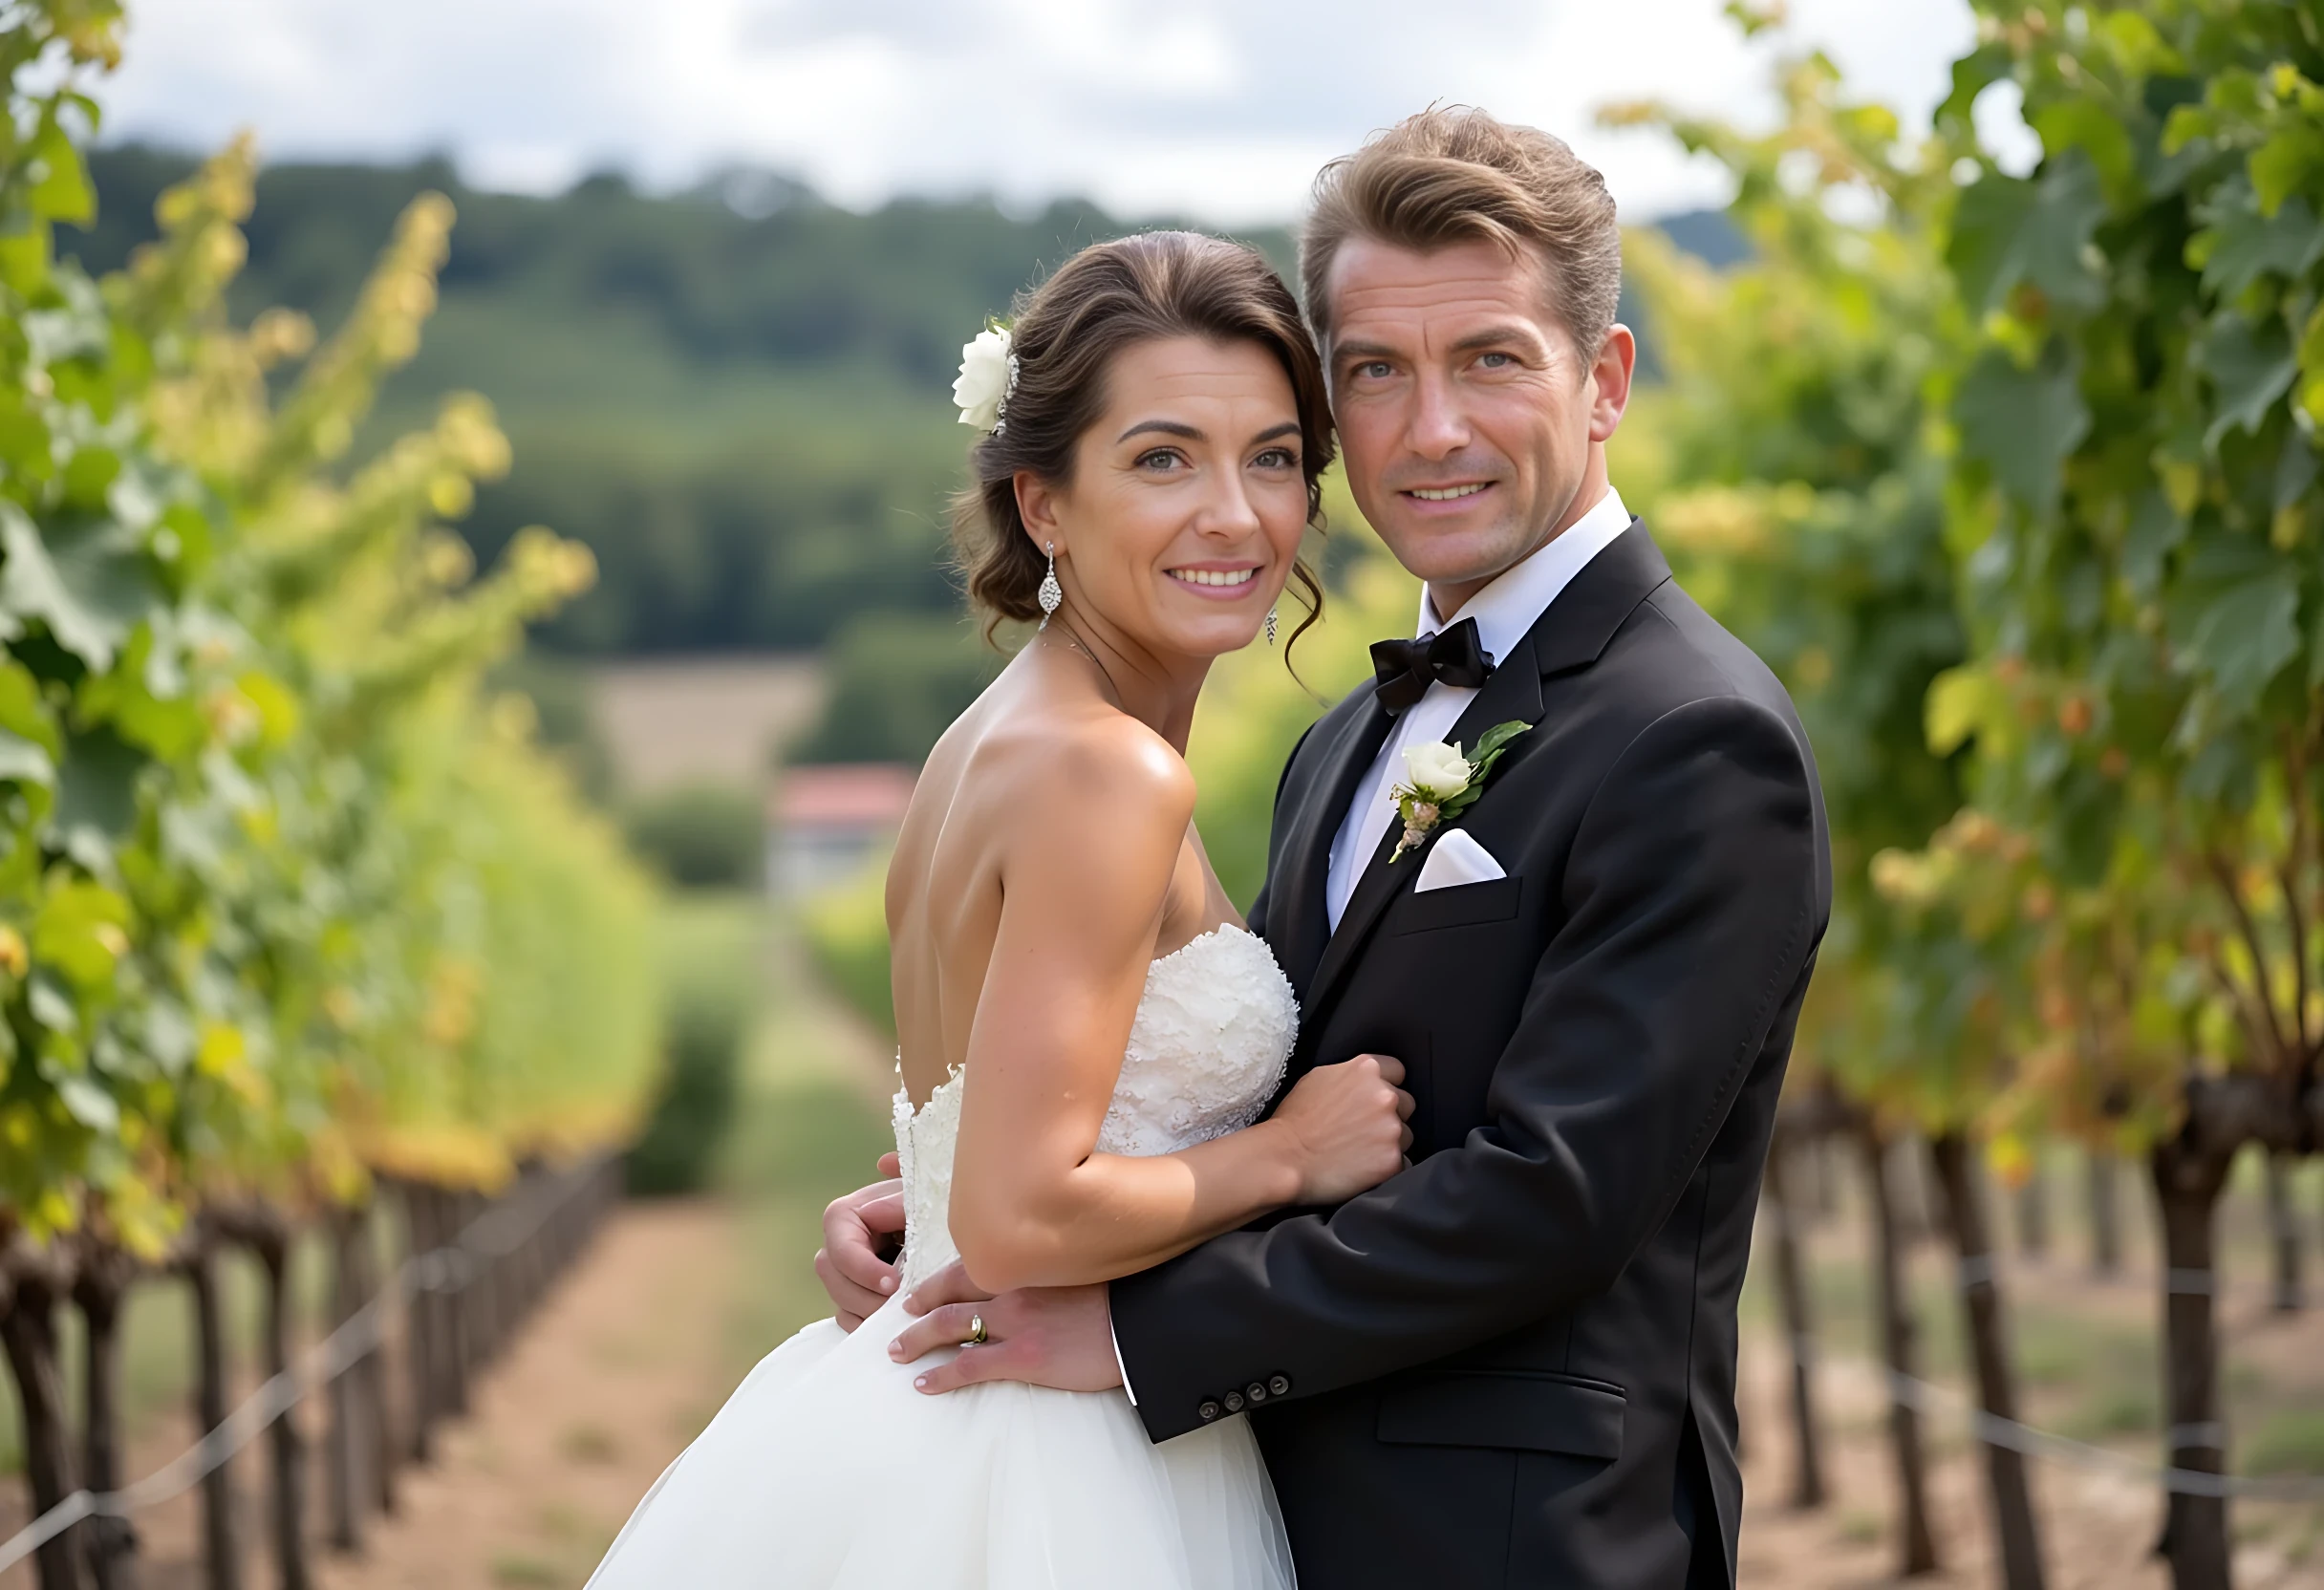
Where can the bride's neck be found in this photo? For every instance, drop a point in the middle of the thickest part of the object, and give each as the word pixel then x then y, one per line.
pixel 1159 690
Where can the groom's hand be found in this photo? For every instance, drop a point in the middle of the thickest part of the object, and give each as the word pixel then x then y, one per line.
pixel 1060 1335
pixel 859 1231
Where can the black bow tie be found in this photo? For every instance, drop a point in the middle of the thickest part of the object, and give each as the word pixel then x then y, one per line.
pixel 1403 669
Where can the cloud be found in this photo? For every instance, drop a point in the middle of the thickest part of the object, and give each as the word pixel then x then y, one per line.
pixel 1221 109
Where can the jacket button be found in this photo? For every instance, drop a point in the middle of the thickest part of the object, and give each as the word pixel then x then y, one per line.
pixel 1256 1391
pixel 1233 1402
pixel 1279 1385
pixel 1209 1409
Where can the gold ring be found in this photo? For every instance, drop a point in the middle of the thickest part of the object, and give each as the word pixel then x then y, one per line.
pixel 975 1331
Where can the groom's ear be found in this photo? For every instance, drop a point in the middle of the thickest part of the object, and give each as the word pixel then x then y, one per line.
pixel 1617 360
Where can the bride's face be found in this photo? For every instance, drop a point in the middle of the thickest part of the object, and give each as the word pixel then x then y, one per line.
pixel 1187 501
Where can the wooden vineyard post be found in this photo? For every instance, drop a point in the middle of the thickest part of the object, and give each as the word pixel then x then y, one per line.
pixel 2014 1532
pixel 346 1455
pixel 451 1342
pixel 103 1281
pixel 2105 1213
pixel 2284 1235
pixel 1799 1323
pixel 2033 1210
pixel 32 1279
pixel 420 1318
pixel 476 1298
pixel 2189 1174
pixel 524 1264
pixel 221 1551
pixel 1916 1542
pixel 491 1280
pixel 269 1236
pixel 372 1389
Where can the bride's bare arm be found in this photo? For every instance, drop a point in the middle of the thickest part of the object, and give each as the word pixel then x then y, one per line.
pixel 1087 851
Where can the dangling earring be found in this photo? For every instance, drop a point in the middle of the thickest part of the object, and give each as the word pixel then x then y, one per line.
pixel 1052 594
pixel 1270 626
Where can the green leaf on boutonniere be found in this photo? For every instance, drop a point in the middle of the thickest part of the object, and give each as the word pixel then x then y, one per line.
pixel 1423 811
pixel 1488 748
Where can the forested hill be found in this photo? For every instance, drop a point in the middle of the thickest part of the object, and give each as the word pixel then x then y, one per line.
pixel 738 395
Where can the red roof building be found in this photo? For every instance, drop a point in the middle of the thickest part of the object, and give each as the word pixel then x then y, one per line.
pixel 824 823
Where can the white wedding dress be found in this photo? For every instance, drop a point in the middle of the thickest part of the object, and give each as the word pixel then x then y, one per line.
pixel 826 1469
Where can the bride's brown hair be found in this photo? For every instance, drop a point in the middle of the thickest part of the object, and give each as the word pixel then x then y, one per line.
pixel 1065 335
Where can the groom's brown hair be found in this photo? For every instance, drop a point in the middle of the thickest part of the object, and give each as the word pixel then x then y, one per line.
pixel 1453 174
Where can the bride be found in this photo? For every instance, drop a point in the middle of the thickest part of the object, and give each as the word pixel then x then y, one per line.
pixel 1089 1036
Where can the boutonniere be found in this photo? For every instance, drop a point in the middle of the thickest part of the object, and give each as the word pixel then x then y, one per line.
pixel 1441 783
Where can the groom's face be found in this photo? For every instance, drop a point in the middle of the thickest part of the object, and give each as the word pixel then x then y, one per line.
pixel 1466 414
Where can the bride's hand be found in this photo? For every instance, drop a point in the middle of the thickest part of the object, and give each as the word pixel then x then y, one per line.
pixel 1346 1123
pixel 859 1235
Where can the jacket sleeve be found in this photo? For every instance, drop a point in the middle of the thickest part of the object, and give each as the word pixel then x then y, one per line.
pixel 1691 904
pixel 1255 918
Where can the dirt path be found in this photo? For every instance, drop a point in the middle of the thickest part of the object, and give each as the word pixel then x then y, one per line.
pixel 609 1383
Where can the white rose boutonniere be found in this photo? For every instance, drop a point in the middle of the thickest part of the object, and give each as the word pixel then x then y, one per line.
pixel 988 376
pixel 1440 782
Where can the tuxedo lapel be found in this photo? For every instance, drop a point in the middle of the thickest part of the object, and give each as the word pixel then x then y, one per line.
pixel 1513 693
pixel 1297 898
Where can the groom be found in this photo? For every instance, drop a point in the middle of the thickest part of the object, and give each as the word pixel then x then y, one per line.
pixel 1515 1362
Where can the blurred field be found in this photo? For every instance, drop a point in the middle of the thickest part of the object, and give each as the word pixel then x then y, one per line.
pixel 702 720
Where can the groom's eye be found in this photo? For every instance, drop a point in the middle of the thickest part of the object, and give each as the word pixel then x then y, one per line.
pixel 1374 370
pixel 1496 361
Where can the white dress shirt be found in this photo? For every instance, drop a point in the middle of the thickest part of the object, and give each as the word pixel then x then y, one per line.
pixel 1504 611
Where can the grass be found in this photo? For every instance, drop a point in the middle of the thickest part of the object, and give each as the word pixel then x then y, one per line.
pixel 808 1133
pixel 2287 1442
pixel 523 1571
pixel 2121 1408
pixel 805 1129
pixel 589 1444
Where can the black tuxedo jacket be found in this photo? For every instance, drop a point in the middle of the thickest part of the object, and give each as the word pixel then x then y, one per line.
pixel 1513 1364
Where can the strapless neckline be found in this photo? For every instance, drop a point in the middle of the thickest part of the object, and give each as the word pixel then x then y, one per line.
pixel 907 1111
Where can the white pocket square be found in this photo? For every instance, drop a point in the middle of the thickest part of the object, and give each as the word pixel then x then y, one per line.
pixel 1456 859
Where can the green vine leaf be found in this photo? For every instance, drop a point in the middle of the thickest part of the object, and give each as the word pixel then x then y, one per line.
pixel 2250 365
pixel 2244 638
pixel 87 589
pixel 2242 245
pixel 2023 423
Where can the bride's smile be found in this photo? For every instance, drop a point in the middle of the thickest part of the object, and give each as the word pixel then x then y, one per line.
pixel 1185 505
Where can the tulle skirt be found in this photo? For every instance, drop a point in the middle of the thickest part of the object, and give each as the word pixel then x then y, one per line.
pixel 827 1469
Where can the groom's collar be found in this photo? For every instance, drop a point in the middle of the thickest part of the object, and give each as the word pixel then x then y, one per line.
pixel 1600 598
pixel 1507 608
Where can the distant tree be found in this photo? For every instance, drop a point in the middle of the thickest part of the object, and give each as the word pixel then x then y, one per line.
pixel 701 837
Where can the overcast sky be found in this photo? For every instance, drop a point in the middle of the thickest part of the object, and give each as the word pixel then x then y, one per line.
pixel 1219 109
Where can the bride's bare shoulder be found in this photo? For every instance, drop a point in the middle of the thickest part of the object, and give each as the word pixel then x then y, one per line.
pixel 1101 768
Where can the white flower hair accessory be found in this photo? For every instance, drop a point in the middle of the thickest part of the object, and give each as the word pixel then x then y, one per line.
pixel 987 380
